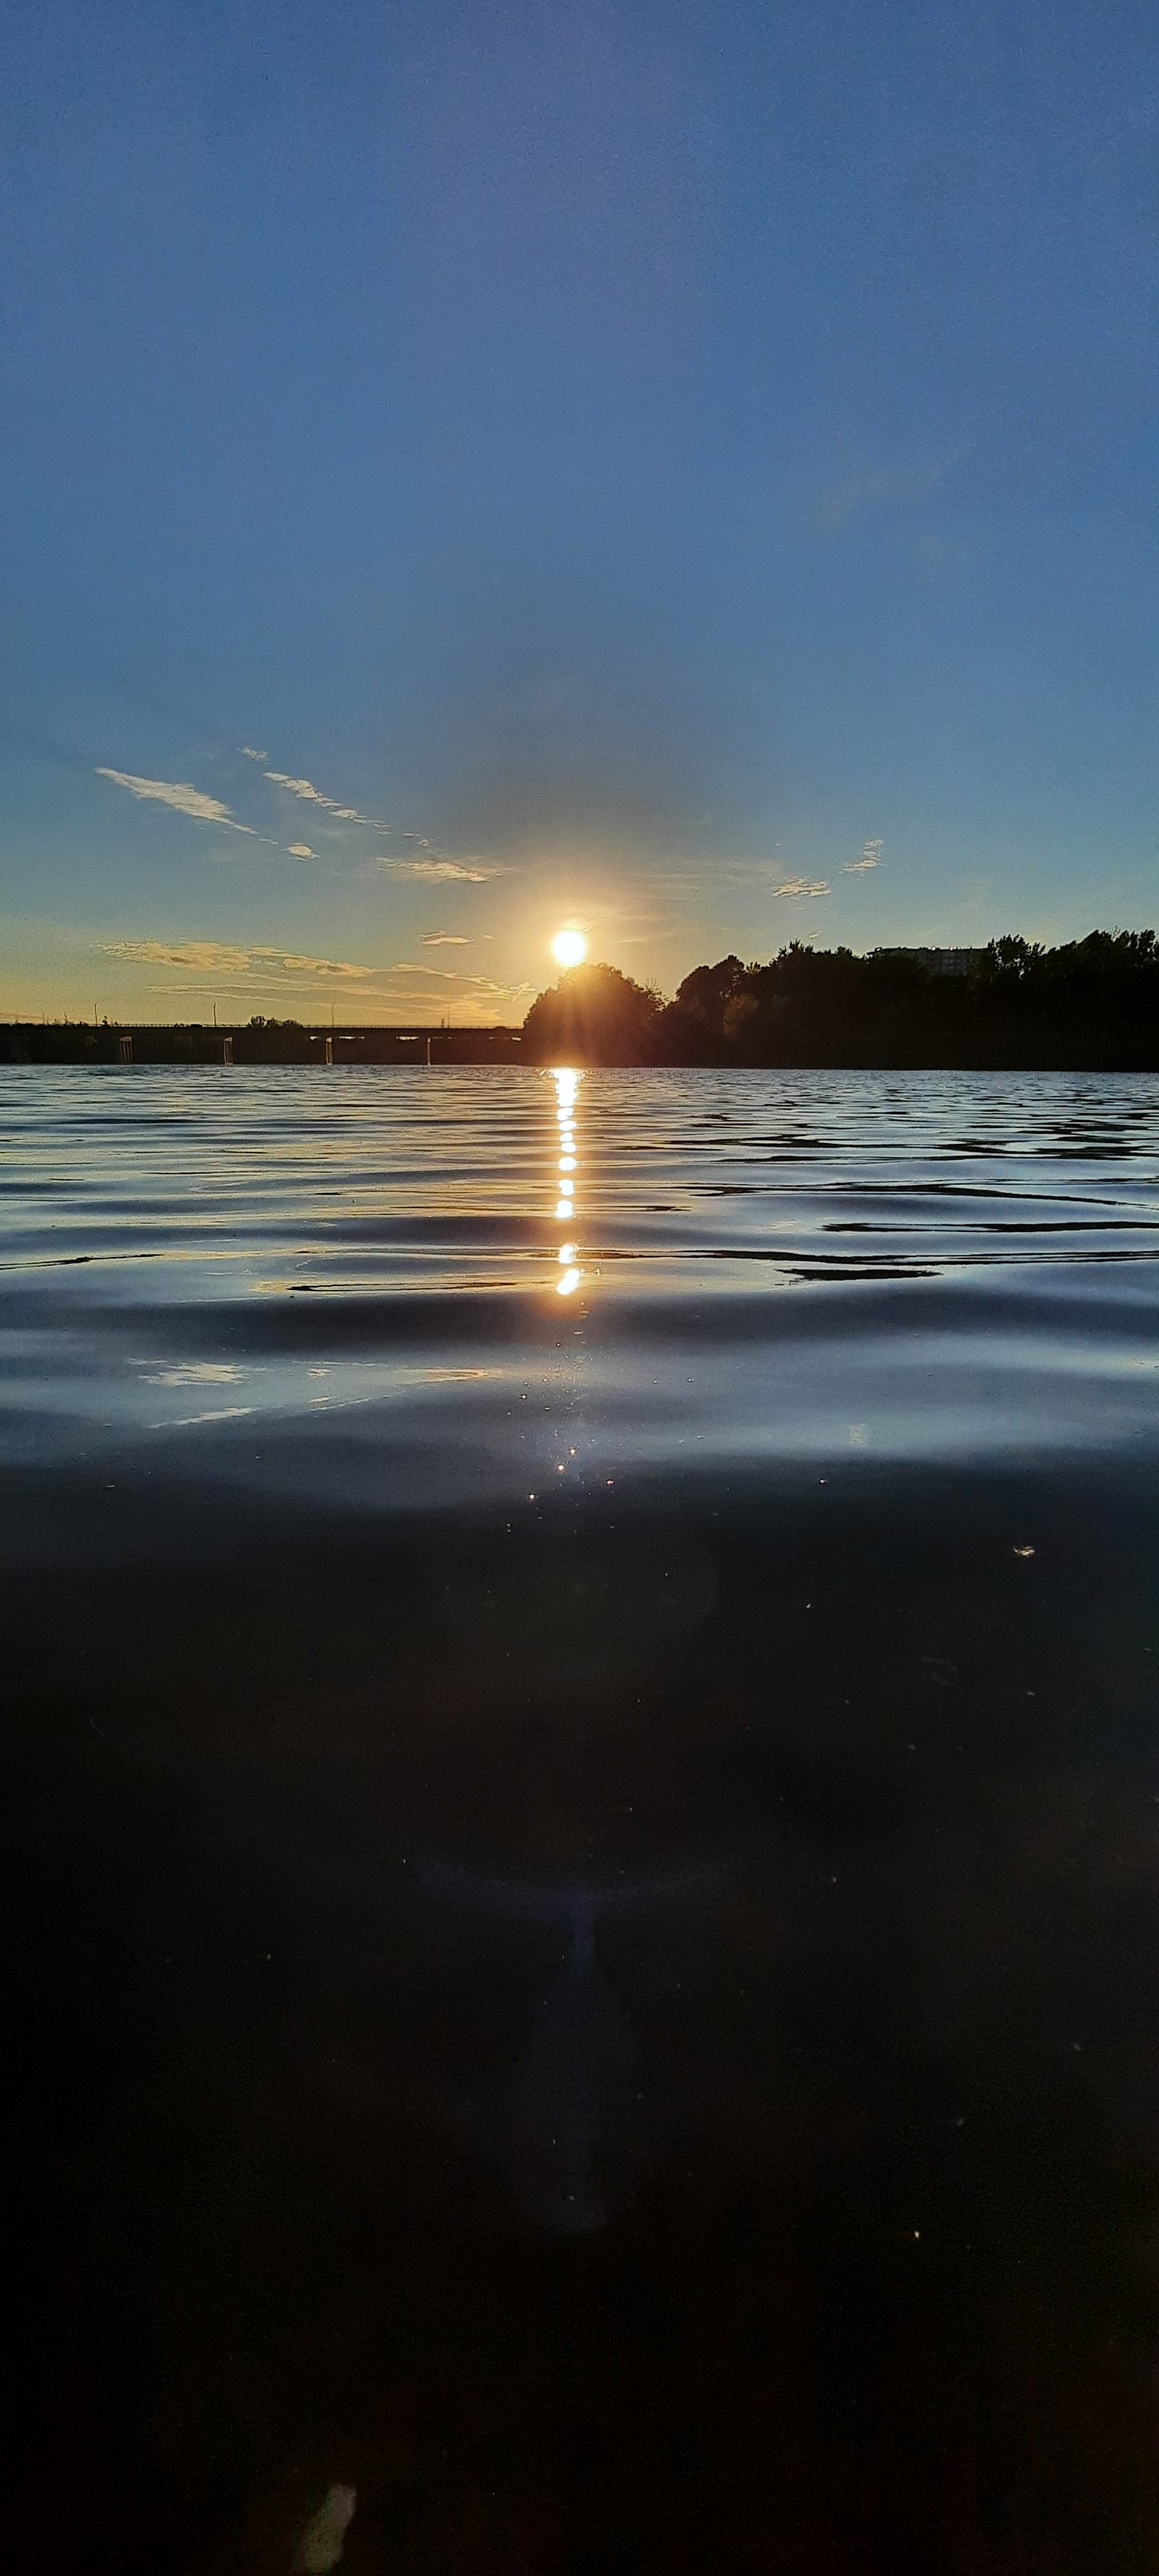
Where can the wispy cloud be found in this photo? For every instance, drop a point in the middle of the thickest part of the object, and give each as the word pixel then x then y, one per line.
pixel 870 858
pixel 311 795
pixel 442 871
pixel 285 962
pixel 199 956
pixel 794 886
pixel 443 939
pixel 436 974
pixel 197 806
pixel 181 798
pixel 249 975
pixel 867 487
pixel 433 866
pixel 219 957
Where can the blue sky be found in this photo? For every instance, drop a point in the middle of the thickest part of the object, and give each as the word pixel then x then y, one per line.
pixel 687 469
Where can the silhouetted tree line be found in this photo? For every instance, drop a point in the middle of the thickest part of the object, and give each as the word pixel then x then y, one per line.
pixel 1092 1003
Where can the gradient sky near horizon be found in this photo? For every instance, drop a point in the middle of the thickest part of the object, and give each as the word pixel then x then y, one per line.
pixel 682 467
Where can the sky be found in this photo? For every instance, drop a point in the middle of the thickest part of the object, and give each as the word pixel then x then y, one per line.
pixel 682 468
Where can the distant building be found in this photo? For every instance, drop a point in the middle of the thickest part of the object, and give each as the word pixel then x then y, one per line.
pixel 937 961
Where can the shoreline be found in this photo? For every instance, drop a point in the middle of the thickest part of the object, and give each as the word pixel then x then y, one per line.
pixel 133 1045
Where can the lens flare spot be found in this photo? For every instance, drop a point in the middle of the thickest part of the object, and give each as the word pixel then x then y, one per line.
pixel 569 1283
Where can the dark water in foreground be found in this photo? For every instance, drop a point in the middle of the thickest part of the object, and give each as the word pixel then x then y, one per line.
pixel 581 1769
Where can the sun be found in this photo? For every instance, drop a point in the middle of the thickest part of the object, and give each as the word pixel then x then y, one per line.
pixel 570 947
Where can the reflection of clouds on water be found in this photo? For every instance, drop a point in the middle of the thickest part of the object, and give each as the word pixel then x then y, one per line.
pixel 220 1413
pixel 194 1373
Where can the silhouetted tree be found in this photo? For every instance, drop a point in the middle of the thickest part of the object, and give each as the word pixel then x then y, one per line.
pixel 696 1026
pixel 594 1015
pixel 1007 961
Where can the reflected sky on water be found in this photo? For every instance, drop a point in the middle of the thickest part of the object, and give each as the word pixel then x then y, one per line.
pixel 739 1269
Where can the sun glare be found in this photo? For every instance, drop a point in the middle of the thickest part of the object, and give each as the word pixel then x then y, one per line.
pixel 570 947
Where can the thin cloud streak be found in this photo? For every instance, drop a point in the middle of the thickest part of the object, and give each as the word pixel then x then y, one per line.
pixel 308 794
pixel 800 886
pixel 201 956
pixel 181 799
pixel 870 858
pixel 441 871
pixel 467 872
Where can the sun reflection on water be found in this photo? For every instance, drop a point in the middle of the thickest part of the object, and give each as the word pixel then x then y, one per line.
pixel 567 1082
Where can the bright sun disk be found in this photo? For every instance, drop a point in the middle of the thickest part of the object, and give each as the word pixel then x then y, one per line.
pixel 570 947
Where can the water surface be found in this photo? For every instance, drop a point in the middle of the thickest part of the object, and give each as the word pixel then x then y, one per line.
pixel 580 1725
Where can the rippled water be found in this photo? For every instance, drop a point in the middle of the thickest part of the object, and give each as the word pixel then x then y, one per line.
pixel 580 1752
pixel 354 1282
